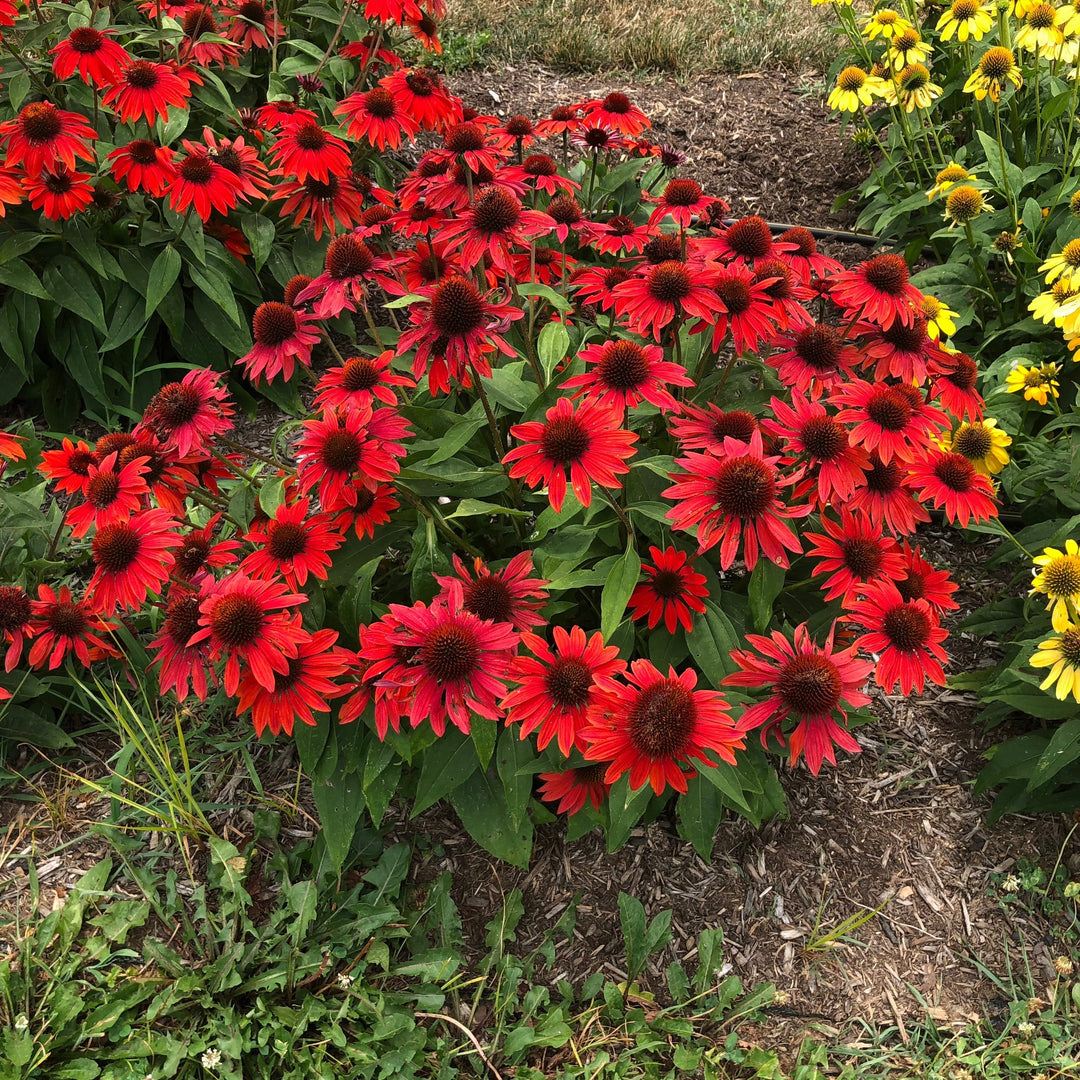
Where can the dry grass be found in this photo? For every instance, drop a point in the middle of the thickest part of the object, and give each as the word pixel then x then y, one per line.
pixel 648 35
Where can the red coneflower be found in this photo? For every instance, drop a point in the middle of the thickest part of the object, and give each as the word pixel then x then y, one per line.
pixel 883 420
pixel 803 255
pixel 11 189
pixel 58 192
pixel 283 336
pixel 590 444
pixel 360 382
pixel 15 611
pixel 422 95
pixel 305 150
pixel 745 308
pixel 745 241
pixel 669 291
pixel 422 267
pixel 905 351
pixel 425 30
pixel 198 551
pixel 131 560
pixel 238 158
pixel 242 619
pixel 68 467
pixel 951 481
pixel 596 285
pixel 821 442
pixel 655 727
pixel 954 384
pixel 60 624
pixel 810 684
pixel 373 508
pixel 184 668
pixel 374 117
pixel 111 493
pixel 190 414
pixel 92 53
pixel 734 497
pixel 508 595
pixel 198 22
pixel 168 477
pixel 616 111
pixel 390 11
pixel 304 689
pixel 543 264
pixel 463 322
pixel 623 373
pixel 923 582
pixel 597 138
pixel 672 591
pixel 252 26
pixel 886 498
pixel 143 166
pixel 813 360
pixel 145 90
pixel 707 428
pixel 619 235
pixel 42 136
pixel 542 174
pixel 325 205
pixel 495 221
pixel 573 787
pixel 203 183
pixel 291 544
pixel 906 635
pixel 787 295
pixel 278 114
pixel 563 120
pixel 557 684
pixel 468 145
pixel 418 220
pixel 682 201
pixel 456 664
pixel 350 267
pixel 339 455
pixel 879 289
pixel 855 553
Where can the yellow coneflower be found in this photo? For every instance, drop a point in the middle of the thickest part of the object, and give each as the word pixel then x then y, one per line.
pixel 886 23
pixel 1006 243
pixel 940 319
pixel 1065 265
pixel 854 88
pixel 1068 17
pixel 912 88
pixel 1045 306
pixel 1019 8
pixel 906 48
pixel 982 444
pixel 1037 383
pixel 964 204
pixel 1057 577
pixel 1040 31
pixel 1062 656
pixel 966 19
pixel 996 67
pixel 951 174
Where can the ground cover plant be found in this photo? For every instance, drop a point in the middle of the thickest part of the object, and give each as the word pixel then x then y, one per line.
pixel 969 117
pixel 594 486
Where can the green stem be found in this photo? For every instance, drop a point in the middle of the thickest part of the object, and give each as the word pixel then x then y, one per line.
pixel 433 515
pixel 976 258
pixel 1001 153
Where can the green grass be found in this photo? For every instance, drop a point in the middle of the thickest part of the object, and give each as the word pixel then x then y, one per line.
pixel 653 36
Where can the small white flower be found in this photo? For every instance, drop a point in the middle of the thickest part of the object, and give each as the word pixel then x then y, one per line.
pixel 1011 883
pixel 211 1059
pixel 22 1022
pixel 344 981
pixel 1026 1028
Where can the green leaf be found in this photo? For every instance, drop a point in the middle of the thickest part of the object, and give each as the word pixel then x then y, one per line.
pixel 272 495
pixel 1063 749
pixel 766 582
pixel 163 273
pixel 261 234
pixel 620 586
pixel 710 950
pixel 484 732
pixel 447 765
pixel 725 778
pixel 485 813
pixel 19 276
pixel 700 812
pixel 406 301
pixel 711 643
pixel 511 759
pixel 557 301
pixel 507 387
pixel 552 346
pixel 625 809
pixel 454 440
pixel 127 320
pixel 20 724
pixel 340 801
pixel 70 286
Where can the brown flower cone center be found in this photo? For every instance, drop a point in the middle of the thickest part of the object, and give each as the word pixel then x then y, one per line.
pixel 457 308
pixel 450 652
pixel 116 547
pixel 236 621
pixel 663 719
pixel 907 627
pixel 810 685
pixel 489 598
pixel 274 323
pixel 745 487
